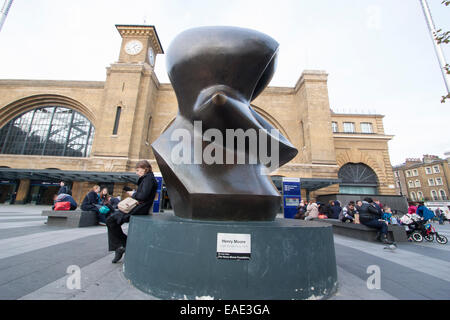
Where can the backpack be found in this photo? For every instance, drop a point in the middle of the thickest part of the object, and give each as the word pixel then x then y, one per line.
pixel 62 206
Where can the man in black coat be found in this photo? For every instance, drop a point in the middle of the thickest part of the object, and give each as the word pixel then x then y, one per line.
pixel 370 216
pixel 145 194
pixel 63 188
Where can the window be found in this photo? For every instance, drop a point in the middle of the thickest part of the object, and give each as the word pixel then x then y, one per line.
pixel 413 196
pixel 408 173
pixel 366 127
pixel 398 184
pixel 349 127
pixel 434 194
pixel 428 170
pixel 439 181
pixel 436 169
pixel 147 139
pixel 334 126
pixel 431 182
pixel 415 172
pixel 442 194
pixel 420 195
pixel 116 122
pixel 357 178
pixel 411 184
pixel 417 183
pixel 48 131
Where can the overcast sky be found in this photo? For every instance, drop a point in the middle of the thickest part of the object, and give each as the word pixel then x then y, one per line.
pixel 378 53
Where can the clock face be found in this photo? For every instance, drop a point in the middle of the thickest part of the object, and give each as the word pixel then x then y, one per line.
pixel 151 56
pixel 133 47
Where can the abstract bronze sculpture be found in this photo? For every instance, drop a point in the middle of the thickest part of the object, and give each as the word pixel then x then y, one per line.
pixel 216 72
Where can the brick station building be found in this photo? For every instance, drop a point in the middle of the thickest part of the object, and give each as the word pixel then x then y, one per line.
pixel 93 132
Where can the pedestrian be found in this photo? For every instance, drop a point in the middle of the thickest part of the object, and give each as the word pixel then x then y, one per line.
pixel 412 208
pixel 439 214
pixel 312 210
pixel 145 194
pixel 63 188
pixel 424 212
pixel 370 217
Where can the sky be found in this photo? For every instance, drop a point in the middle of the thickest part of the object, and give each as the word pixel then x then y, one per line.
pixel 378 53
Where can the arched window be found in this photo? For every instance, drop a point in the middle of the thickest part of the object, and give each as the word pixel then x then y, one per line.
pixel 413 196
pixel 420 196
pixel 357 178
pixel 434 194
pixel 49 130
pixel 442 194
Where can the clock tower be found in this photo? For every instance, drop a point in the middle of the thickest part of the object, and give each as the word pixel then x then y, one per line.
pixel 139 44
pixel 129 97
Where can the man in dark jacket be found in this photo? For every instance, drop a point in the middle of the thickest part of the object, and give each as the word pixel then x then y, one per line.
pixel 63 188
pixel 335 209
pixel 145 194
pixel 370 216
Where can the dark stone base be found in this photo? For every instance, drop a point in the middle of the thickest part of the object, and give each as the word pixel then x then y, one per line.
pixel 359 231
pixel 174 258
pixel 71 218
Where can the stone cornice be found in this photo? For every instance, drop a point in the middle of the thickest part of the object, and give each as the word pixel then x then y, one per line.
pixel 363 136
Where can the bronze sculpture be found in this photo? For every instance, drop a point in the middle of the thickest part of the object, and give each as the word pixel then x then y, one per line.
pixel 216 72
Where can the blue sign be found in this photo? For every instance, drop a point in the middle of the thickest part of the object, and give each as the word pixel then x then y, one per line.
pixel 157 201
pixel 291 196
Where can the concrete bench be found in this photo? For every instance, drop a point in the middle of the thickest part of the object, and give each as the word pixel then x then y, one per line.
pixel 72 219
pixel 359 231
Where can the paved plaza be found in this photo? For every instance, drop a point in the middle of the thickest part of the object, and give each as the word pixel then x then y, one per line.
pixel 35 258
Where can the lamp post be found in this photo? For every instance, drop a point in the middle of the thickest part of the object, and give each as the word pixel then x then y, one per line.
pixel 437 47
pixel 4 12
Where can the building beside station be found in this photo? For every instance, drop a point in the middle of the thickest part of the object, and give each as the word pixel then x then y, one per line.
pixel 426 179
pixel 94 132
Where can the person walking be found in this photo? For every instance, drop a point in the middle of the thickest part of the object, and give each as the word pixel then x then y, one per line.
pixel 145 194
pixel 63 188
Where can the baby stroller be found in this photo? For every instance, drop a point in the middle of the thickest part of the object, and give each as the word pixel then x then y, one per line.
pixel 414 226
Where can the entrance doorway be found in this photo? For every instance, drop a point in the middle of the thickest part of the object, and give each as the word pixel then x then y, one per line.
pixel 7 189
pixel 42 192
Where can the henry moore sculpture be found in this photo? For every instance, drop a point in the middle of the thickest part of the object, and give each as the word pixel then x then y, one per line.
pixel 216 72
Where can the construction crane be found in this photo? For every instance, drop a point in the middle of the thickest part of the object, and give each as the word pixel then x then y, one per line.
pixel 437 46
pixel 4 12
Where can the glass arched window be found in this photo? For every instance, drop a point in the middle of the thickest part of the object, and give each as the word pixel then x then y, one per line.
pixel 413 196
pixel 442 194
pixel 51 131
pixel 357 178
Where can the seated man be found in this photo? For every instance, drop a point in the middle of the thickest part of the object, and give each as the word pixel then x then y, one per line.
pixel 63 197
pixel 348 213
pixel 370 217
